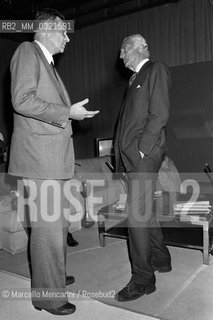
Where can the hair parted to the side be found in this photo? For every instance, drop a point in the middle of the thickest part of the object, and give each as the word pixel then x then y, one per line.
pixel 49 14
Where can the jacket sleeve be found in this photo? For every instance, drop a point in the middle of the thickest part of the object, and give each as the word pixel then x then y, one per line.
pixel 158 110
pixel 25 77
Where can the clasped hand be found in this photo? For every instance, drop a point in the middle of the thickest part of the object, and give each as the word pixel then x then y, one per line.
pixel 78 112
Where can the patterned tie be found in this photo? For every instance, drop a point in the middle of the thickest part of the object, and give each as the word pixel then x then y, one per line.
pixel 132 78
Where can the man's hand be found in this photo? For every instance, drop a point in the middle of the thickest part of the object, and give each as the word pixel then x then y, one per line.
pixel 78 112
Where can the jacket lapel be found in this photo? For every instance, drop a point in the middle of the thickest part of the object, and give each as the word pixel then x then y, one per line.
pixel 139 78
pixel 58 82
pixel 130 94
pixel 64 91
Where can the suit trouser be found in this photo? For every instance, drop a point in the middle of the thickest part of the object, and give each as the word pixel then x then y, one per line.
pixel 146 243
pixel 48 240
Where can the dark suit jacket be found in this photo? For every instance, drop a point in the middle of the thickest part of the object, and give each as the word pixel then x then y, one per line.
pixel 41 145
pixel 143 116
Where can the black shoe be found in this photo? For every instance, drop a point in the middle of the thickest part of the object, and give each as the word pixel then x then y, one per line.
pixel 163 269
pixel 70 280
pixel 133 291
pixel 71 242
pixel 66 309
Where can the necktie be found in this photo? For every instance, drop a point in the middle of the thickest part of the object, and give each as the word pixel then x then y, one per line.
pixel 54 70
pixel 132 78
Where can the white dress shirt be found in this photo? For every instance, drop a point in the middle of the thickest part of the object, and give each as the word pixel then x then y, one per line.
pixel 46 53
pixel 140 65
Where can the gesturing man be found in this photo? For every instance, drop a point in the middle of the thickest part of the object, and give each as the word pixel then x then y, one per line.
pixel 42 152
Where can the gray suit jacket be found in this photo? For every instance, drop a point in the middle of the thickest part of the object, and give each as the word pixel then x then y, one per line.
pixel 41 145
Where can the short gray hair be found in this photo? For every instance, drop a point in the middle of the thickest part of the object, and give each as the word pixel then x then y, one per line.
pixel 139 41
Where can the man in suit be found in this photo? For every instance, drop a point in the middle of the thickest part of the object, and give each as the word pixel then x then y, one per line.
pixel 42 153
pixel 140 148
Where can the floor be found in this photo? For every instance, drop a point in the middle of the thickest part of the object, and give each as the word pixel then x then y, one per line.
pixel 186 293
pixel 21 308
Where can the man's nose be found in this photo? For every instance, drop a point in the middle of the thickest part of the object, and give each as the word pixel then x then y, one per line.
pixel 122 54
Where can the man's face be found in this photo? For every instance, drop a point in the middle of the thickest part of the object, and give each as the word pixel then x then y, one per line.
pixel 58 37
pixel 131 54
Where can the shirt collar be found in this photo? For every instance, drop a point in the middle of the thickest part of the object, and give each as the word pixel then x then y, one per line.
pixel 46 53
pixel 140 65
